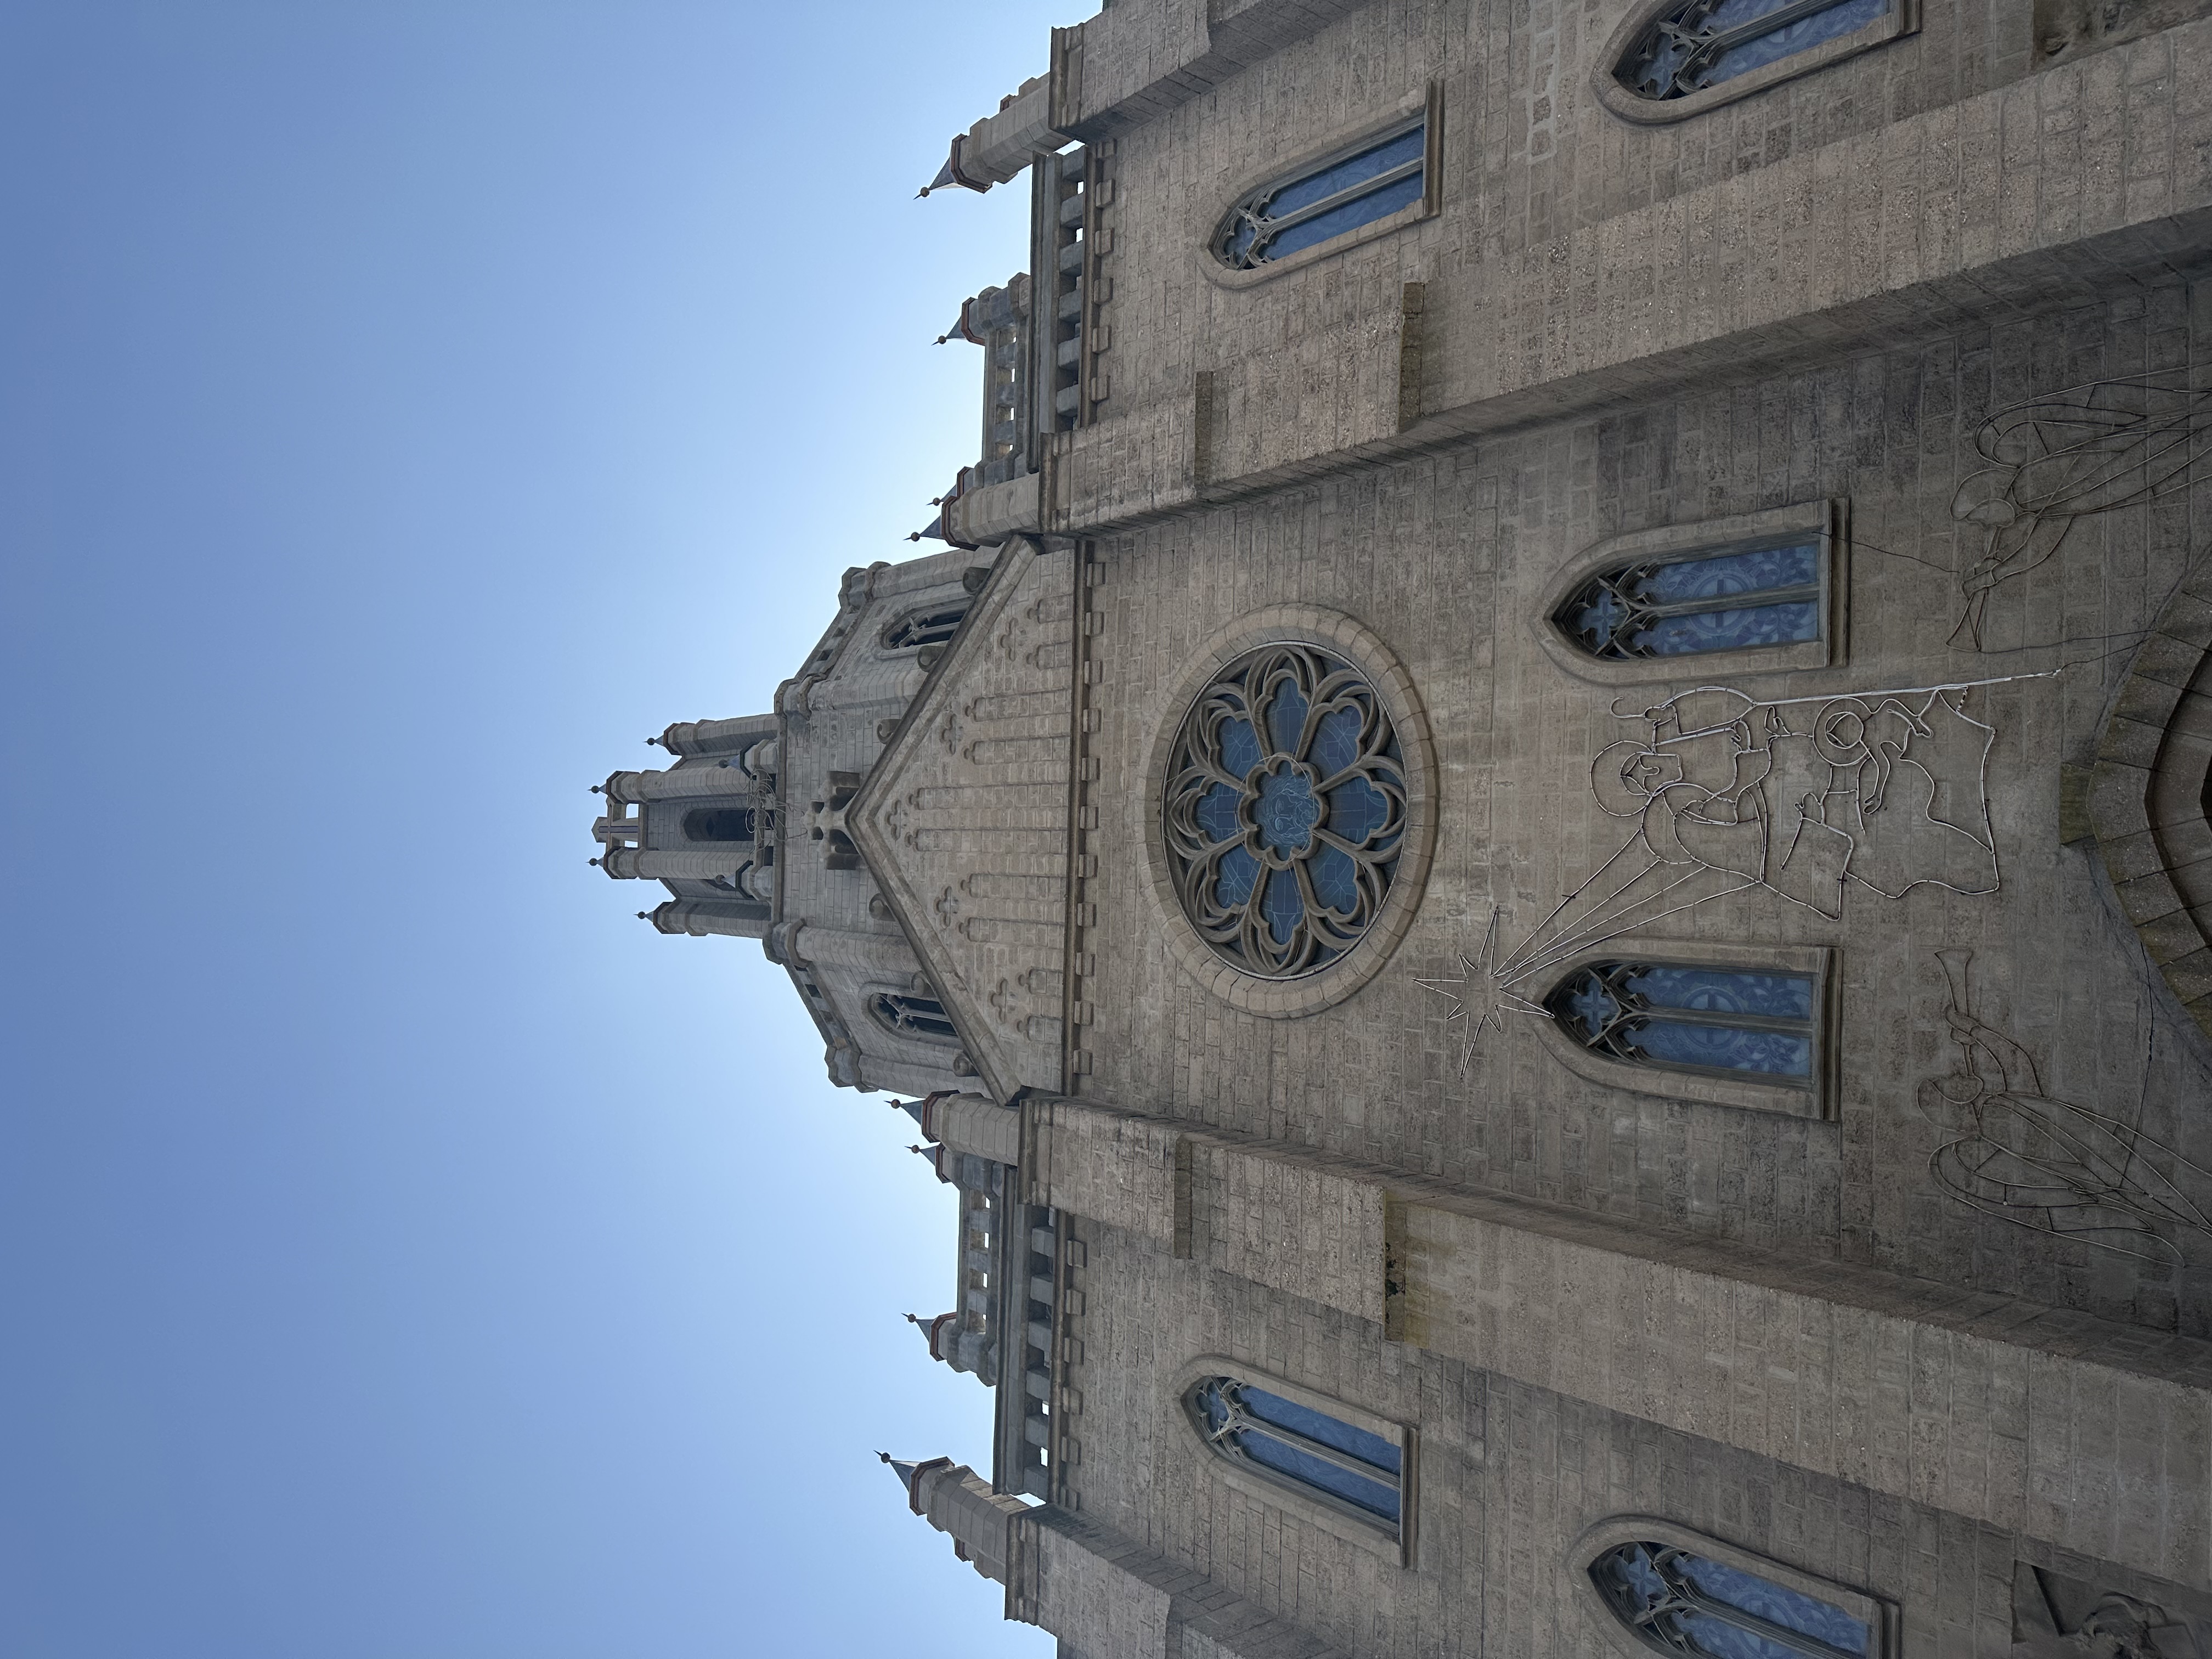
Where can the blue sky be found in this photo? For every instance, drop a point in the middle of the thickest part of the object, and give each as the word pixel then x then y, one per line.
pixel 406 408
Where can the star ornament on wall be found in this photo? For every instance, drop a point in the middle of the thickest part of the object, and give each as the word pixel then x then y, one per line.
pixel 1481 995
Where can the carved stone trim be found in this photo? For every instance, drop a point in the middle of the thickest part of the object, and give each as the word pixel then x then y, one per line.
pixel 1285 999
pixel 1902 19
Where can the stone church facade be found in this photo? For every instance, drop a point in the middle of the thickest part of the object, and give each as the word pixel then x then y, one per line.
pixel 1539 853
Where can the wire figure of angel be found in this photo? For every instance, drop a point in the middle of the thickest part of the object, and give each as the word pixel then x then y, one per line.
pixel 2048 1164
pixel 2054 460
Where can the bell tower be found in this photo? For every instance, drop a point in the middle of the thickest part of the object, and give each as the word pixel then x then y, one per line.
pixel 705 826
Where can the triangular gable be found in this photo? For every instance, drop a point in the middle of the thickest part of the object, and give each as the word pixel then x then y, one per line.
pixel 964 820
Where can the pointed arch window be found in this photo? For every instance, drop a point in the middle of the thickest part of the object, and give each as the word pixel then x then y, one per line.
pixel 1689 604
pixel 1351 1469
pixel 934 626
pixel 1374 177
pixel 908 1015
pixel 1677 57
pixel 1687 1016
pixel 1676 1601
pixel 717 823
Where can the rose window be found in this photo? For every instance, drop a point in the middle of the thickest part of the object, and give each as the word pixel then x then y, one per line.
pixel 1285 810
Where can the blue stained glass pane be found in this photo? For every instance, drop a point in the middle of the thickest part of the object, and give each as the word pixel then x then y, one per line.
pixel 1784 996
pixel 1281 905
pixel 1334 878
pixel 1320 1425
pixel 1730 631
pixel 1287 810
pixel 1731 573
pixel 1239 875
pixel 1368 164
pixel 1592 1004
pixel 1217 813
pixel 1599 617
pixel 1240 748
pixel 1287 717
pixel 1239 240
pixel 1630 1564
pixel 1776 1603
pixel 1357 809
pixel 1828 25
pixel 1364 210
pixel 1336 742
pixel 1373 1496
pixel 1718 1639
pixel 1727 1047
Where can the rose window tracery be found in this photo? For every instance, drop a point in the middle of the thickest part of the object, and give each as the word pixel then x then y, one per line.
pixel 1285 810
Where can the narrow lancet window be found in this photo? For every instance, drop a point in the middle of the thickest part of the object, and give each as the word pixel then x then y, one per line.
pixel 1706 43
pixel 1716 1021
pixel 1299 1446
pixel 920 628
pixel 1678 1602
pixel 913 1017
pixel 718 824
pixel 1350 188
pixel 1716 601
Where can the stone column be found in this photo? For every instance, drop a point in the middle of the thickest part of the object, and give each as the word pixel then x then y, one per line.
pixel 952 1499
pixel 730 918
pixel 681 783
pixel 688 738
pixel 688 863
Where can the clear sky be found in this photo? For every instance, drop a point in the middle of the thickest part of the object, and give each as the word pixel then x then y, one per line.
pixel 406 407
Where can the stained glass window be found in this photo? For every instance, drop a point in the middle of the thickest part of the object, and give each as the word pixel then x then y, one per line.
pixel 1706 43
pixel 919 628
pixel 1381 176
pixel 1300 1446
pixel 913 1016
pixel 1719 601
pixel 1679 1602
pixel 1285 810
pixel 1691 1018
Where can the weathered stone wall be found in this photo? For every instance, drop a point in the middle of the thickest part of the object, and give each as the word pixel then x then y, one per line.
pixel 1447 559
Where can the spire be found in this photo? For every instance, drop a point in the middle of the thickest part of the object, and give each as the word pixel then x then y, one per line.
pixel 934 530
pixel 906 1472
pixel 911 1107
pixel 928 1329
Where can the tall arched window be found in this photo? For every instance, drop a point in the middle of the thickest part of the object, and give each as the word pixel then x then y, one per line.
pixel 718 824
pixel 1347 1467
pixel 910 1016
pixel 919 628
pixel 1676 1602
pixel 1690 47
pixel 1700 602
pixel 1686 1018
pixel 1367 180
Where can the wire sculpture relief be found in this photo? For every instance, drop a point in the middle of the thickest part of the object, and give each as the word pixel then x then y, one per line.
pixel 2053 460
pixel 2044 1163
pixel 1804 798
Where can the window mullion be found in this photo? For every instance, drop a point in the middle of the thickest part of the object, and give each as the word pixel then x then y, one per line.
pixel 1327 1453
pixel 1351 193
pixel 1799 594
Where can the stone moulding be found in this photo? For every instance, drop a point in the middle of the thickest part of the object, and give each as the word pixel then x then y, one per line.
pixel 2144 802
pixel 1339 1521
pixel 1879 1616
pixel 1903 18
pixel 1202 231
pixel 1816 962
pixel 1825 521
pixel 1285 999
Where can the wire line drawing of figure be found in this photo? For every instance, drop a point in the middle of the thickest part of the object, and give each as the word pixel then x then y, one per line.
pixel 2043 1163
pixel 1807 798
pixel 2061 457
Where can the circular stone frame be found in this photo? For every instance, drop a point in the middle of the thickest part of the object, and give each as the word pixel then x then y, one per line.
pixel 1332 630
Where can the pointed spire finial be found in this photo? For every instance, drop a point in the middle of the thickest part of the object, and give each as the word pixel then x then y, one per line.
pixel 594 864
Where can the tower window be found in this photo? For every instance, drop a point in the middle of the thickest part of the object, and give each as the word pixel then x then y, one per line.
pixel 908 1016
pixel 1688 48
pixel 1706 601
pixel 920 628
pixel 1687 1018
pixel 1369 180
pixel 1349 1468
pixel 718 824
pixel 1675 1602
